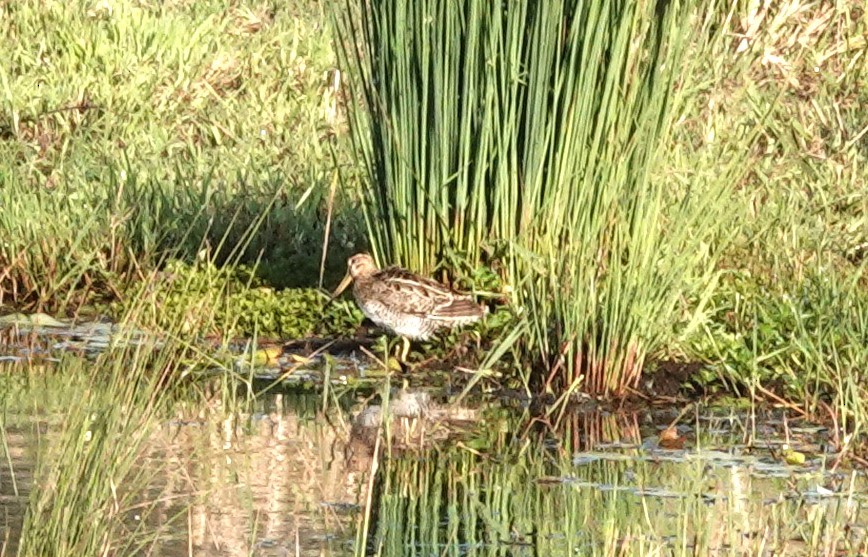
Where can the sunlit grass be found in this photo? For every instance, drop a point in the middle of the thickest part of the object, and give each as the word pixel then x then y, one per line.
pixel 132 131
pixel 218 88
pixel 786 319
pixel 803 343
pixel 133 134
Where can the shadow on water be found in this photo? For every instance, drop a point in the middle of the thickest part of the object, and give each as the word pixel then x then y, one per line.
pixel 293 474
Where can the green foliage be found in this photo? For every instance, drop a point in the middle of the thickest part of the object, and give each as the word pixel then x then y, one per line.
pixel 531 158
pixel 293 313
pixel 237 303
pixel 525 135
pixel 534 171
pixel 806 341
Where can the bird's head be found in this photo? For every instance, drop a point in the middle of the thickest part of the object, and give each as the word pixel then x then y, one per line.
pixel 360 265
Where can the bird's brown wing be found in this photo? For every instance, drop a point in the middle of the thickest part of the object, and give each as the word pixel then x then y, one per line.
pixel 424 297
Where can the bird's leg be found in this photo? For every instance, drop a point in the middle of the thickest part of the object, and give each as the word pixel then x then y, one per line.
pixel 394 354
pixel 401 355
pixel 406 351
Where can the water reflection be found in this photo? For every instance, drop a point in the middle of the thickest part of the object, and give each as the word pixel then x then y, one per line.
pixel 289 477
pixel 292 479
pixel 271 482
pixel 16 480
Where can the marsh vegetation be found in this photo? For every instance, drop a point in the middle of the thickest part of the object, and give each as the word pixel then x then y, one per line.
pixel 664 205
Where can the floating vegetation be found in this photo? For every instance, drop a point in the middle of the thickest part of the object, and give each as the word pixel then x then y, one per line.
pixel 236 300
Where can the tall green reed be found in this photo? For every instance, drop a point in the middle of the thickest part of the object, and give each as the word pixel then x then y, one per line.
pixel 527 132
pixel 87 480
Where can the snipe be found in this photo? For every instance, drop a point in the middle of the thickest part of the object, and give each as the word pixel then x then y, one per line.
pixel 405 303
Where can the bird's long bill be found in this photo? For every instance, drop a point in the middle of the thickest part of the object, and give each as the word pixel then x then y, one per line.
pixel 342 286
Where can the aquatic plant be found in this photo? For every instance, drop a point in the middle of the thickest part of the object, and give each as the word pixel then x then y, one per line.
pixel 238 303
pixel 525 134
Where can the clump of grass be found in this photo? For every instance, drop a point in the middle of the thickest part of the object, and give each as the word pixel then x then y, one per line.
pixel 88 477
pixel 527 134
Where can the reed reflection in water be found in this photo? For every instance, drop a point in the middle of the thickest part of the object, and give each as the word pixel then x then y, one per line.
pixel 290 478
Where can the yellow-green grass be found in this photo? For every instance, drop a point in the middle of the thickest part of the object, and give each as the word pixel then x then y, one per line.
pixel 788 314
pixel 134 130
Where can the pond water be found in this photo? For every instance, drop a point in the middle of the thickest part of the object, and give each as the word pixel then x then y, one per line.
pixel 295 473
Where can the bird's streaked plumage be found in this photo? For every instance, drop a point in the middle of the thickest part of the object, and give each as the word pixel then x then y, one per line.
pixel 405 303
